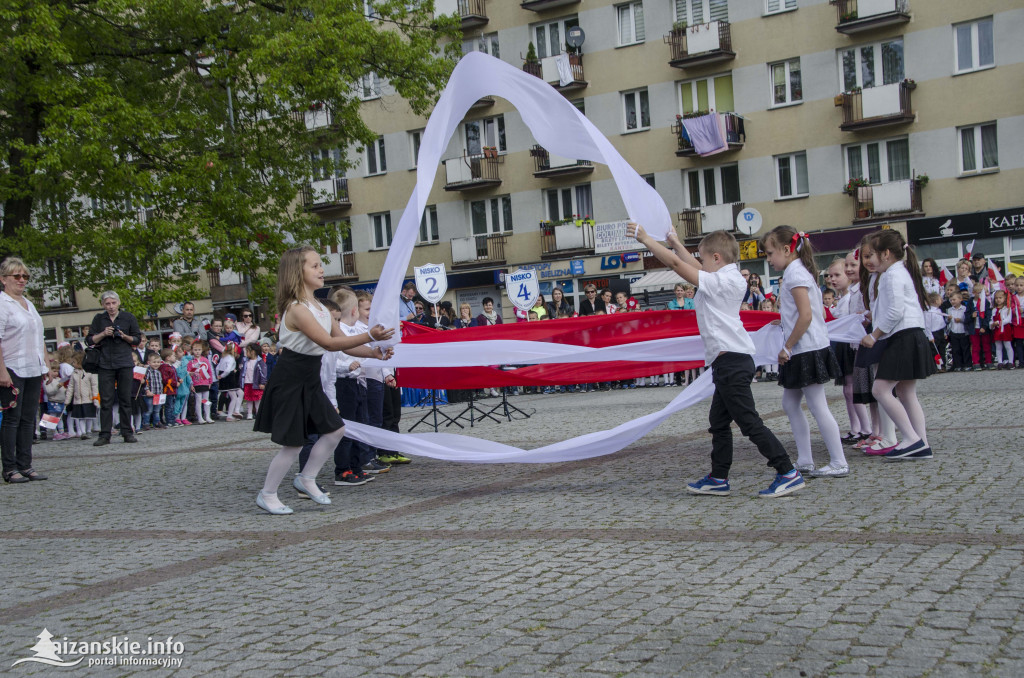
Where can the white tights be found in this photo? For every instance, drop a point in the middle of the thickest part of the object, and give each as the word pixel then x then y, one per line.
pixel 818 405
pixel 234 402
pixel 1004 346
pixel 203 406
pixel 286 458
pixel 903 408
pixel 858 413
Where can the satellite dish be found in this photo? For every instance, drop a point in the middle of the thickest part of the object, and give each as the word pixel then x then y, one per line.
pixel 179 307
pixel 749 221
pixel 574 37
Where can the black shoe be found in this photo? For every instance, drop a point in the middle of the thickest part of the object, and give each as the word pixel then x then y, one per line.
pixel 101 441
pixel 130 439
pixel 349 478
pixel 15 477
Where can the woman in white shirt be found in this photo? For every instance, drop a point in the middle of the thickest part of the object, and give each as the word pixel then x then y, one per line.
pixel 22 366
pixel 907 357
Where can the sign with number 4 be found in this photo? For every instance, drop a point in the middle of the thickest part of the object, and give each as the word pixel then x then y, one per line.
pixel 523 288
pixel 431 282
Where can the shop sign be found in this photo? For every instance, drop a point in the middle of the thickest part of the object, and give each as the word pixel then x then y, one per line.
pixel 548 269
pixel 994 223
pixel 611 237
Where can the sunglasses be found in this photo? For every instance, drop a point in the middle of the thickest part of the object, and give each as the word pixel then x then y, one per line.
pixel 20 276
pixel 246 315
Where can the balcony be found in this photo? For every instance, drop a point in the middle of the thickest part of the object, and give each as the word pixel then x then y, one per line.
pixel 876 106
pixel 545 5
pixel 547 70
pixel 228 289
pixel 859 16
pixel 699 221
pixel 548 165
pixel 884 201
pixel 472 12
pixel 55 298
pixel 485 102
pixel 473 172
pixel 316 117
pixel 700 44
pixel 478 249
pixel 326 194
pixel 342 266
pixel 566 239
pixel 735 134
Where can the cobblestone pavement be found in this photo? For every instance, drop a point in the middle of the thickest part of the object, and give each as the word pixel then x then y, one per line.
pixel 597 568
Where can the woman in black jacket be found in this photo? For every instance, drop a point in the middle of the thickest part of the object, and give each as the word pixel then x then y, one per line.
pixel 558 304
pixel 115 333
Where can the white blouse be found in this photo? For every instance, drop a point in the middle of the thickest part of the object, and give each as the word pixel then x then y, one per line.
pixel 816 336
pixel 898 306
pixel 21 337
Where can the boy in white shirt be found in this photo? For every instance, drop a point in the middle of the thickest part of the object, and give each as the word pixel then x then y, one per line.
pixel 729 351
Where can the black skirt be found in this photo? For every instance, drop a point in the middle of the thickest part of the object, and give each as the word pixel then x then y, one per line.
pixel 83 411
pixel 844 356
pixel 908 355
pixel 294 403
pixel 810 367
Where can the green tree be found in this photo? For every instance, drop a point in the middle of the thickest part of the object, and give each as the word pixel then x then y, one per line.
pixel 193 111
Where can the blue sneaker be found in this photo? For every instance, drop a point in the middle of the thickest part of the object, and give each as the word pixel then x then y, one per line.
pixel 913 452
pixel 783 485
pixel 709 485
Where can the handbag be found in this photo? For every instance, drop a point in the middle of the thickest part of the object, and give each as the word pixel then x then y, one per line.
pixel 91 361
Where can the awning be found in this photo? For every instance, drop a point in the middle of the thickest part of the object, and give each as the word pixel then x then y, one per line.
pixel 656 281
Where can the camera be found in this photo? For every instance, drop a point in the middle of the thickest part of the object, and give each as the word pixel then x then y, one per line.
pixel 117 330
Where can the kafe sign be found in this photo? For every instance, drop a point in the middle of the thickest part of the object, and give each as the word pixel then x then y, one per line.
pixel 523 288
pixel 431 281
pixel 991 224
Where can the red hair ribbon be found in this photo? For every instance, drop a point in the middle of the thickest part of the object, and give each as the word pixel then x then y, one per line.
pixel 794 243
pixel 856 254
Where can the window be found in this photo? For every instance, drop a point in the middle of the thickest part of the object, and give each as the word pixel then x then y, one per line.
pixel 369 11
pixel 491 216
pixel 487 132
pixel 631 23
pixel 574 202
pixel 637 110
pixel 326 163
pixel 879 162
pixel 376 158
pixel 706 94
pixel 786 85
pixel 649 178
pixel 701 11
pixel 549 37
pixel 346 238
pixel 380 224
pixel 369 86
pixel 428 225
pixel 791 175
pixel 862 66
pixel 414 144
pixel 975 47
pixel 488 44
pixel 711 186
pixel 972 139
pixel 776 6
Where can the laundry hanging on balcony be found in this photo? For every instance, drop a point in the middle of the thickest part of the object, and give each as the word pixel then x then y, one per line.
pixel 707 134
pixel 564 69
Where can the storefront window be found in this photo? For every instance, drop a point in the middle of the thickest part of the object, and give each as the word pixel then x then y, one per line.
pixel 990 247
pixel 938 251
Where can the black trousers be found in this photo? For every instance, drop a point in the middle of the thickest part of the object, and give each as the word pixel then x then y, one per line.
pixel 940 345
pixel 961 344
pixel 733 401
pixel 115 383
pixel 392 408
pixel 19 423
pixel 350 455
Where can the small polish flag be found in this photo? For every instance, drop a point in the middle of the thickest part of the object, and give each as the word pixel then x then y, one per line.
pixel 969 250
pixel 159 399
pixel 139 373
pixel 995 276
pixel 49 421
pixel 945 276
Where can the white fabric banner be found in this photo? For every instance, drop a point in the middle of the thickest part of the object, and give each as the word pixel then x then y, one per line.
pixel 556 124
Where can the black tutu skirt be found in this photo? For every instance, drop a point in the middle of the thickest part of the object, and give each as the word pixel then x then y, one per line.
pixel 810 367
pixel 908 355
pixel 83 411
pixel 844 356
pixel 294 403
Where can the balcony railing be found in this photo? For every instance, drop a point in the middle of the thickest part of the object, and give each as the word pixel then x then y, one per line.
pixel 562 238
pixel 882 201
pixel 341 264
pixel 699 221
pixel 477 249
pixel 549 165
pixel 735 134
pixel 544 5
pixel 877 106
pixel 316 117
pixel 225 292
pixel 471 172
pixel 857 16
pixel 472 12
pixel 547 70
pixel 56 297
pixel 326 194
pixel 700 44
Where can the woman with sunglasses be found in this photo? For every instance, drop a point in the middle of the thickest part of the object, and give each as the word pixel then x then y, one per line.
pixel 23 363
pixel 248 329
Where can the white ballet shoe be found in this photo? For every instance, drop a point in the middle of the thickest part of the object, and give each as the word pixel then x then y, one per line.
pixel 319 498
pixel 281 510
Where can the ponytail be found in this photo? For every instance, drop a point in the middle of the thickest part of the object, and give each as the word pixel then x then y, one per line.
pixel 798 242
pixel 865 274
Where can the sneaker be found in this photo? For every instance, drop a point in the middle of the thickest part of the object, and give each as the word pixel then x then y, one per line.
pixel 709 485
pixel 878 449
pixel 782 485
pixel 397 458
pixel 910 453
pixel 349 478
pixel 363 474
pixel 375 466
pixel 832 470
pixel 976 368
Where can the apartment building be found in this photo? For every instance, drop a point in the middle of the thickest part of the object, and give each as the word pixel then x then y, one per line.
pixel 840 116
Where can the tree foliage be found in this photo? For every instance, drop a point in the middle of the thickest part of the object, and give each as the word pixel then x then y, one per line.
pixel 146 141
